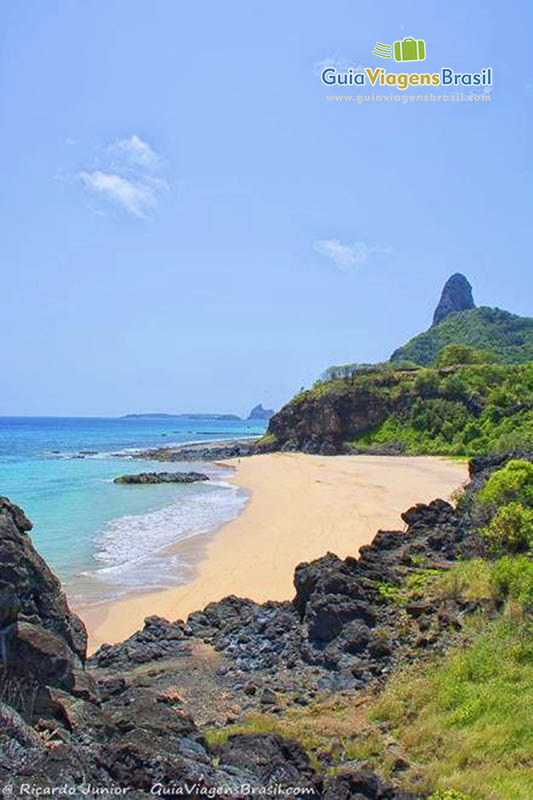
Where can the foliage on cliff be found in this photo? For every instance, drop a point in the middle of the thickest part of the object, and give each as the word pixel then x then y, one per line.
pixel 508 336
pixel 463 410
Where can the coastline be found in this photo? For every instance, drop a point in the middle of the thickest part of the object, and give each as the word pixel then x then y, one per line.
pixel 301 506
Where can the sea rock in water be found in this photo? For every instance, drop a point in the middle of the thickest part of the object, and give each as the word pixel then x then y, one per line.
pixel 456 296
pixel 162 477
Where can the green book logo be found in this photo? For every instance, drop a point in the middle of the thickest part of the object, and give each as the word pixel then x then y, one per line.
pixel 407 49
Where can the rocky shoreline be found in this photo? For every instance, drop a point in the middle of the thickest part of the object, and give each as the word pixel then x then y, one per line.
pixel 161 477
pixel 136 713
pixel 208 451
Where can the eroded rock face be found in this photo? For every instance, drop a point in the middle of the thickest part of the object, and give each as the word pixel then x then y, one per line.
pixel 29 591
pixel 456 296
pixel 321 425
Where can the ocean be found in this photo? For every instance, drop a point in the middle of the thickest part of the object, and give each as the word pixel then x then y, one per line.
pixel 102 539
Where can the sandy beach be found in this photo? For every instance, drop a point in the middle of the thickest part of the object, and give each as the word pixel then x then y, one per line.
pixel 301 506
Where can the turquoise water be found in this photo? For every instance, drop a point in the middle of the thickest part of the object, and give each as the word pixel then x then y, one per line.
pixel 104 539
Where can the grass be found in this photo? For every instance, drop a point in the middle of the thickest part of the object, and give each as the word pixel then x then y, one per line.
pixel 18 692
pixel 462 721
pixel 332 730
pixel 467 721
pixel 268 440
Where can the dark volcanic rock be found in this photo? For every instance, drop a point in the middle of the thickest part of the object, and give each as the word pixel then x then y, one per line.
pixel 162 477
pixel 158 639
pixel 255 636
pixel 456 296
pixel 274 759
pixel 216 451
pixel 28 588
pixel 362 786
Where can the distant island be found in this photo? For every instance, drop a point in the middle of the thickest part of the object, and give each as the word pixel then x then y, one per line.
pixel 156 415
pixel 257 412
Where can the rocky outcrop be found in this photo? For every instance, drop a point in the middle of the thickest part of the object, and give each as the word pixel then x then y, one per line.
pixel 158 639
pixel 215 451
pixel 321 423
pixel 162 477
pixel 258 412
pixel 456 296
pixel 30 594
pixel 339 623
pixel 58 729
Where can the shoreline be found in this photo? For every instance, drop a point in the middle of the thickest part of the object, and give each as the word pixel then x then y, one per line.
pixel 300 507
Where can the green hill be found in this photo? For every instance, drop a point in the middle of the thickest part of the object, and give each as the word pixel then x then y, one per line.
pixel 461 410
pixel 507 335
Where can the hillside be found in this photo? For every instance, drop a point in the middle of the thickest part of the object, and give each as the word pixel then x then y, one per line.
pixel 465 410
pixel 508 336
pixel 456 320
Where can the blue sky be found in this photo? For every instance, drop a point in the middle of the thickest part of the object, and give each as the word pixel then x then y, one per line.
pixel 188 223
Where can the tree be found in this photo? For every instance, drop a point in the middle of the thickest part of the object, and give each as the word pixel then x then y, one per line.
pixel 458 354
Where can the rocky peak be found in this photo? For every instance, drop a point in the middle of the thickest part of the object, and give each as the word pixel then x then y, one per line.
pixel 258 412
pixel 456 296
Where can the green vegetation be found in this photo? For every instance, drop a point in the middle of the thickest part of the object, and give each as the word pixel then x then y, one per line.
pixel 508 579
pixel 467 410
pixel 511 529
pixel 456 354
pixel 508 336
pixel 505 503
pixel 463 410
pixel 511 483
pixel 347 370
pixel 467 719
pixel 268 441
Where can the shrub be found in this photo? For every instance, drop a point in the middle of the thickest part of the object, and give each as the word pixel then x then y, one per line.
pixel 455 354
pixel 514 482
pixel 511 529
pixel 426 383
pixel 469 579
pixel 512 578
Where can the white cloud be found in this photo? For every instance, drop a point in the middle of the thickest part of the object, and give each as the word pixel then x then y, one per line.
pixel 136 152
pixel 137 198
pixel 346 256
pixel 123 175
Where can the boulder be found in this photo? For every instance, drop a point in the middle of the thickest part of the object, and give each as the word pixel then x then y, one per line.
pixel 273 759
